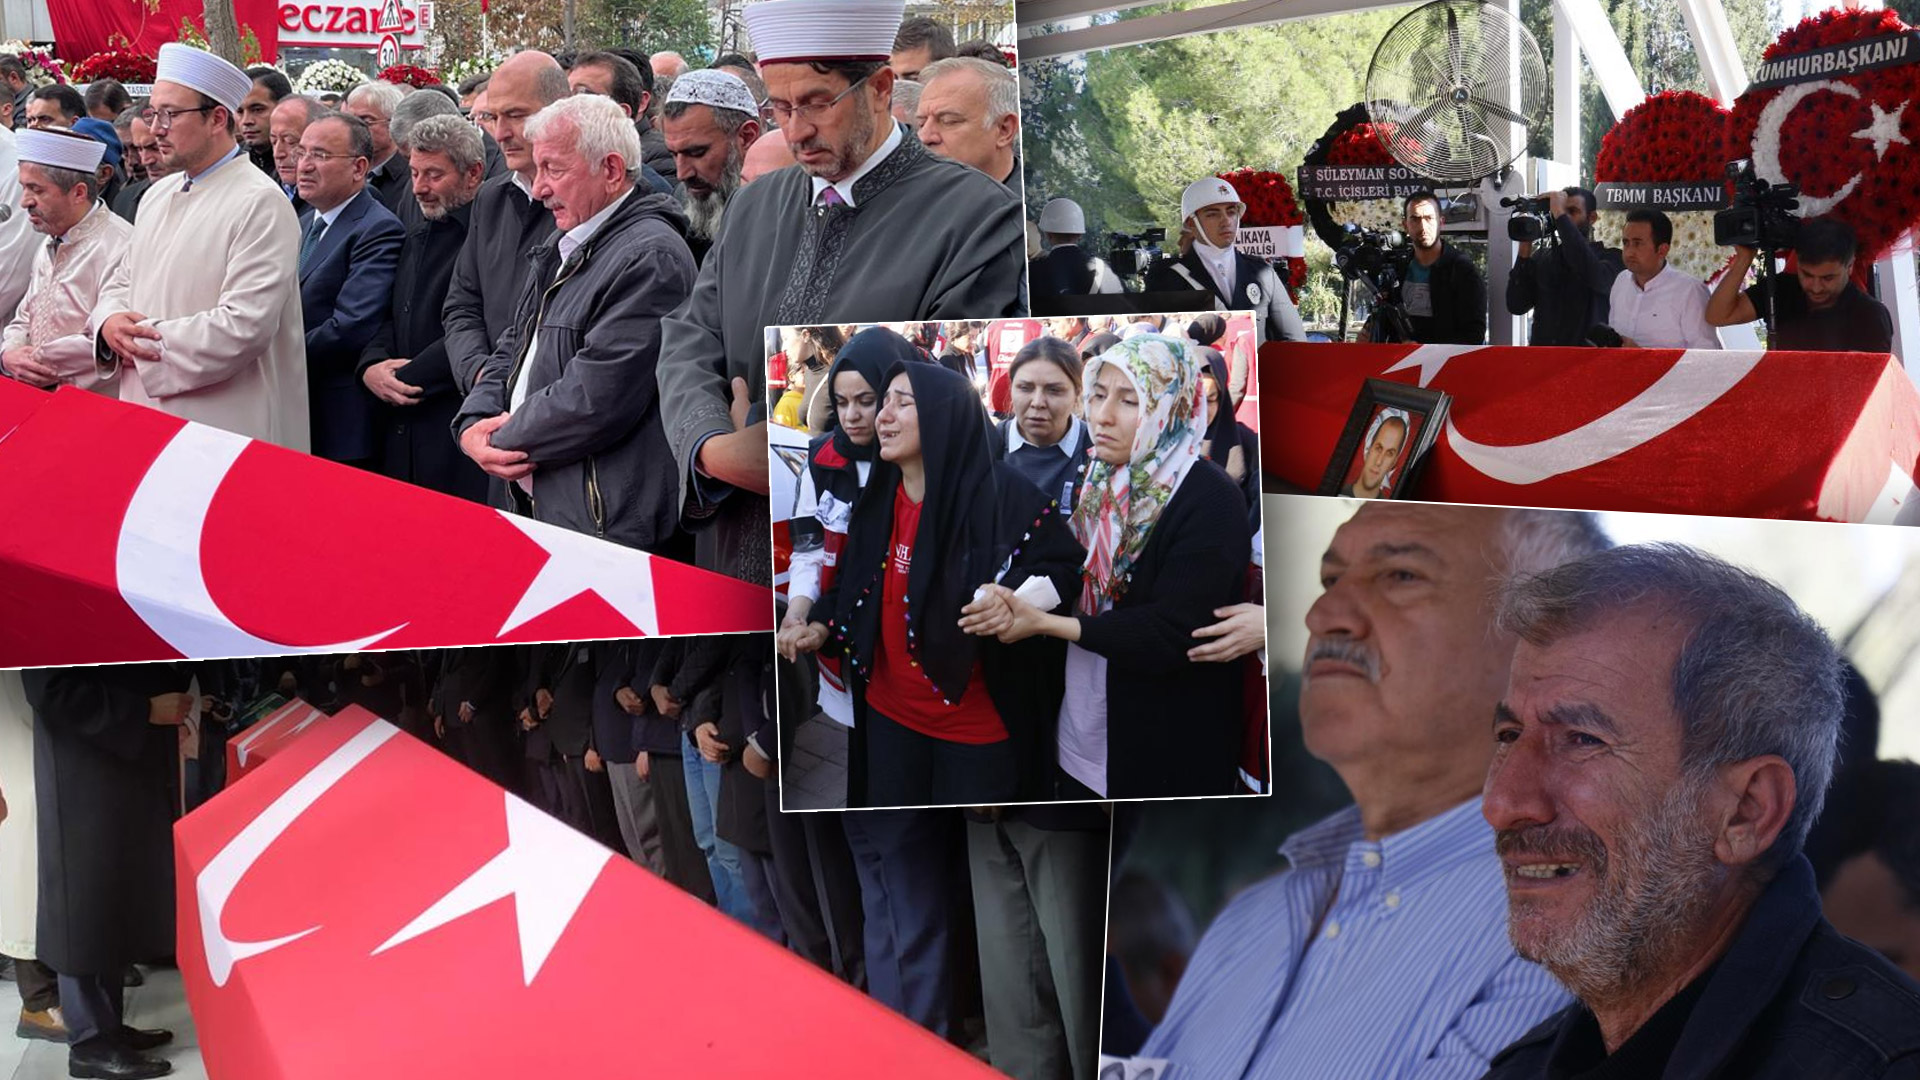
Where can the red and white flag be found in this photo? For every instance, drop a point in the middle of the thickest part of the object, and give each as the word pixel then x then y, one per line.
pixel 251 748
pixel 135 536
pixel 1832 436
pixel 362 906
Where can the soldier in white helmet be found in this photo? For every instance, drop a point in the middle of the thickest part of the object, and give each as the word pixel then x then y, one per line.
pixel 1211 209
pixel 1066 270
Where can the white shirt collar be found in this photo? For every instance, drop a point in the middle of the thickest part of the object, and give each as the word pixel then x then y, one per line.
pixel 1665 269
pixel 1068 444
pixel 576 238
pixel 845 187
pixel 333 215
pixel 524 184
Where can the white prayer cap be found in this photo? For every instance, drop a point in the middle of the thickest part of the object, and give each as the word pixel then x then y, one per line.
pixel 799 31
pixel 1062 216
pixel 1206 192
pixel 205 72
pixel 60 149
pixel 715 88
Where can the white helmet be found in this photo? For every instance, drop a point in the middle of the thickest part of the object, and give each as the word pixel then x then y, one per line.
pixel 1062 217
pixel 1206 192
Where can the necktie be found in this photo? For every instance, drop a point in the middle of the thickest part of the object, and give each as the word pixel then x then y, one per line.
pixel 312 239
pixel 830 196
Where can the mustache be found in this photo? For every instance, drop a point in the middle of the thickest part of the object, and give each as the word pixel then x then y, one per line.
pixel 1554 843
pixel 1346 651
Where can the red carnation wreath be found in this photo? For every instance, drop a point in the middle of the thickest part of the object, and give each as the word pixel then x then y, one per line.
pixel 1668 138
pixel 1352 140
pixel 1270 202
pixel 1855 145
pixel 409 75
pixel 123 65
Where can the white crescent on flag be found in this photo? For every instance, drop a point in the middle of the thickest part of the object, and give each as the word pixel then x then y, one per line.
pixel 157 561
pixel 1766 143
pixel 1696 380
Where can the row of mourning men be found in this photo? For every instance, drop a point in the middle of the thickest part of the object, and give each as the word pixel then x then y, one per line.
pixel 1582 779
pixel 588 368
pixel 1576 288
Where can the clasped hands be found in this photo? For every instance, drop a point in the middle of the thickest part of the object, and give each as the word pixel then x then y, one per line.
pixel 997 612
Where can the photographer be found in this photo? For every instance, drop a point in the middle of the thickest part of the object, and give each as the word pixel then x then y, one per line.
pixel 1654 305
pixel 1443 294
pixel 1238 282
pixel 1570 281
pixel 1066 269
pixel 1818 308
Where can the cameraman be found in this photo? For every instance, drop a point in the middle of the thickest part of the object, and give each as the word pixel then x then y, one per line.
pixel 1571 281
pixel 1238 281
pixel 1066 269
pixel 1443 294
pixel 1818 308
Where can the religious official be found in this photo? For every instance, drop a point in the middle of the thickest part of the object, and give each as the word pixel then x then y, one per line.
pixel 47 343
pixel 848 237
pixel 709 120
pixel 204 314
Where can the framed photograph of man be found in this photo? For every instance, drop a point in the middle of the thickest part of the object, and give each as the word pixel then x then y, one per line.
pixel 1385 441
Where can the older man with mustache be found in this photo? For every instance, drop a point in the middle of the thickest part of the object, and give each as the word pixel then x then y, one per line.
pixel 1663 747
pixel 1379 953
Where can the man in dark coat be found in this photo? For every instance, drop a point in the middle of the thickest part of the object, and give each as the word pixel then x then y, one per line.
pixel 105 747
pixel 1569 286
pixel 1665 743
pixel 473 701
pixel 662 782
pixel 405 366
pixel 1238 281
pixel 561 684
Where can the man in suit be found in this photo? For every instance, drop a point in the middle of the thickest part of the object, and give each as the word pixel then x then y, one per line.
pixel 373 104
pixel 561 685
pixel 288 122
pixel 1211 209
pixel 405 366
pixel 349 251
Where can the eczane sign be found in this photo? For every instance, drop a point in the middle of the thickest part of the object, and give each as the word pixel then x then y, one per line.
pixel 389 25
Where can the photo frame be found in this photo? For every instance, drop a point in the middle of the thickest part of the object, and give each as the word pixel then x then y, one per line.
pixel 1366 462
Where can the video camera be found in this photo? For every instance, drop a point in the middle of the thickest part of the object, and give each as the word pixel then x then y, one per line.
pixel 1132 253
pixel 1373 254
pixel 1762 214
pixel 1532 219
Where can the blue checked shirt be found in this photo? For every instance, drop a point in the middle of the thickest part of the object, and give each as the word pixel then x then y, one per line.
pixel 1410 976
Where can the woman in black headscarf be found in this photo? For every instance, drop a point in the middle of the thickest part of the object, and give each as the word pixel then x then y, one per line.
pixel 839 461
pixel 943 717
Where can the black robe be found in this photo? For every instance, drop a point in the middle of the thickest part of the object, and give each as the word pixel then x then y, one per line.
pixel 103 779
pixel 927 239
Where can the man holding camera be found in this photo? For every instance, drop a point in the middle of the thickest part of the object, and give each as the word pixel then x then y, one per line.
pixel 1238 281
pixel 1653 305
pixel 1572 279
pixel 1443 294
pixel 1817 308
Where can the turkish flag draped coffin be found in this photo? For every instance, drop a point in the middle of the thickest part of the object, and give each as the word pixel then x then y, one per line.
pixel 251 748
pixel 17 402
pixel 136 536
pixel 1832 436
pixel 363 906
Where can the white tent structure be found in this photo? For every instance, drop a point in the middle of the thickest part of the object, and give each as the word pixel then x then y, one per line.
pixel 1580 28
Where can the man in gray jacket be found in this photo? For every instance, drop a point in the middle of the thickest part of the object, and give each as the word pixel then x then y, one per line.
pixel 566 409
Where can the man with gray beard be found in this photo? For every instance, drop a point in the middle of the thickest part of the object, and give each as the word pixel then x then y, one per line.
pixel 1665 743
pixel 709 119
pixel 1380 953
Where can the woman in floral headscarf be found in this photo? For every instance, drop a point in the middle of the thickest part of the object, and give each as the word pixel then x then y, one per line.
pixel 1167 543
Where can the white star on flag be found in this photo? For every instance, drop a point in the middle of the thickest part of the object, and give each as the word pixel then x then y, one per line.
pixel 578 563
pixel 547 869
pixel 1885 130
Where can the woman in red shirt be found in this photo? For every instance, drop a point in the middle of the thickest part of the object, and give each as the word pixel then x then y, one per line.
pixel 942 718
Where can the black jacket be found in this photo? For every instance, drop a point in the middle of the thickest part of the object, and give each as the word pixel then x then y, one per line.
pixel 653 150
pixel 1459 296
pixel 484 677
pixel 1195 561
pixel 568 671
pixel 416 446
pixel 127 203
pixel 391 183
pixel 506 226
pixel 1790 999
pixel 1256 288
pixel 590 423
pixel 1570 285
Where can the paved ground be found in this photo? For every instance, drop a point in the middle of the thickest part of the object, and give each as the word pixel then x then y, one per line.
pixel 815 776
pixel 161 1003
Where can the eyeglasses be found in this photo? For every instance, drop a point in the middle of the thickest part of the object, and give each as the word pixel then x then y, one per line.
pixel 813 110
pixel 321 157
pixel 162 119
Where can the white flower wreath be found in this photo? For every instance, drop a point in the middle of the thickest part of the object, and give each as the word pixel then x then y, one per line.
pixel 329 76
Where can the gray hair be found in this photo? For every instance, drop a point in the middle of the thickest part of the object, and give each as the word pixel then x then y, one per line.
pixel 1755 675
pixel 68 179
pixel 730 121
pixel 383 96
pixel 313 107
pixel 1003 87
pixel 1539 540
pixel 906 95
pixel 417 107
pixel 600 128
pixel 452 136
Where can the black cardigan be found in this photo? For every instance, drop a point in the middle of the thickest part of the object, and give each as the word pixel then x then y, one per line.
pixel 1174 726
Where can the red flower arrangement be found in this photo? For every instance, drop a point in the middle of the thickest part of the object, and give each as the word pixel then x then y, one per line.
pixel 1669 137
pixel 124 65
pixel 1362 144
pixel 1829 147
pixel 1270 201
pixel 409 75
